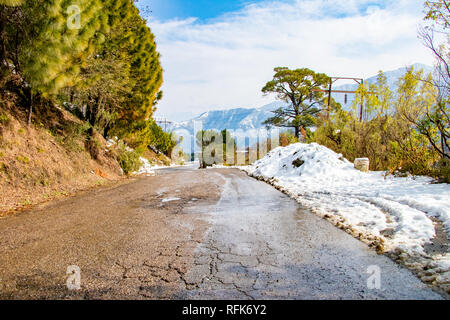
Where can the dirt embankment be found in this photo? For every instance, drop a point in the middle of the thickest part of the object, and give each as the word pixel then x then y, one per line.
pixel 49 159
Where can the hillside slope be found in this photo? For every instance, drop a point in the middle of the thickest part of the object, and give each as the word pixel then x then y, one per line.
pixel 49 159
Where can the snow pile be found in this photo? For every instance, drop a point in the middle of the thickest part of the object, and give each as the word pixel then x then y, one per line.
pixel 146 169
pixel 396 214
pixel 319 163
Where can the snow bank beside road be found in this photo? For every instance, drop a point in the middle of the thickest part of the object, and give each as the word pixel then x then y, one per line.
pixel 395 213
pixel 146 168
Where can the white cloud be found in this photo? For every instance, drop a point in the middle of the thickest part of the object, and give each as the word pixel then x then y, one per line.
pixel 225 62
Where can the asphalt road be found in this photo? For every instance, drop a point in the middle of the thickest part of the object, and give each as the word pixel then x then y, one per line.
pixel 191 234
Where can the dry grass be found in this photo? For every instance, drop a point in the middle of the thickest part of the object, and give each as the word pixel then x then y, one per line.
pixel 157 159
pixel 49 159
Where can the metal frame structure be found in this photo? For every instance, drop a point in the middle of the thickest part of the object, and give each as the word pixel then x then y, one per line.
pixel 163 121
pixel 359 81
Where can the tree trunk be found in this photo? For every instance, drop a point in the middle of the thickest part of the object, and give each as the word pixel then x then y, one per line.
pixel 106 130
pixel 93 114
pixel 93 111
pixel 30 111
pixel 297 132
pixel 2 39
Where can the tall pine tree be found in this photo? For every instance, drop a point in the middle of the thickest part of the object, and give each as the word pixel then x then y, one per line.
pixel 57 37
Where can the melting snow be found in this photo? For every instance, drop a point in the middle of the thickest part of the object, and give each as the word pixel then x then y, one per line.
pixel 396 210
pixel 170 199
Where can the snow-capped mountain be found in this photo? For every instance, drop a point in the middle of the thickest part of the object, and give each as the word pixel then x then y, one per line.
pixel 252 118
pixel 233 119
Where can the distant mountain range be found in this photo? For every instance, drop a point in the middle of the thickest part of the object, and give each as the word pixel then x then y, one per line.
pixel 232 119
pixel 252 118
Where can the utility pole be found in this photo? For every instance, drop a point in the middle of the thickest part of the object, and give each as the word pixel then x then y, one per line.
pixel 163 122
pixel 329 99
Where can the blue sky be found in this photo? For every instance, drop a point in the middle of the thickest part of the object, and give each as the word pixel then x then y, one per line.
pixel 205 10
pixel 202 9
pixel 218 54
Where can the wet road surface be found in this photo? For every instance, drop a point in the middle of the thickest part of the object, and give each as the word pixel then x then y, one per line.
pixel 191 234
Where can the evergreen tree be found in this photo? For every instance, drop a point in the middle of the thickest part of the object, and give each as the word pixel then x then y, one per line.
pixel 120 81
pixel 298 89
pixel 97 56
pixel 11 3
pixel 134 119
pixel 55 38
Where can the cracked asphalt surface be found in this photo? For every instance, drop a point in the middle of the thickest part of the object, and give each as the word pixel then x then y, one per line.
pixel 190 234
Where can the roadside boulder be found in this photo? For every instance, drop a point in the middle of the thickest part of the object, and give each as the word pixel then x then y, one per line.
pixel 362 164
pixel 298 163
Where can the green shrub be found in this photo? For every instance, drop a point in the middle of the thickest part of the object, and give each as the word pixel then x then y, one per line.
pixel 287 138
pixel 4 118
pixel 129 160
pixel 443 171
pixel 74 133
pixel 161 140
pixel 143 134
pixel 23 159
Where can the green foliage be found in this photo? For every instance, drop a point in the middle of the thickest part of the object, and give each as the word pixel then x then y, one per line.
pixel 228 147
pixel 4 118
pixel 434 121
pixel 55 42
pixel 438 12
pixel 298 89
pixel 11 3
pixel 443 171
pixel 75 130
pixel 161 140
pixel 121 81
pixel 129 160
pixel 72 135
pixel 391 134
pixel 287 138
pixel 23 159
pixel 144 75
pixel 97 58
pixel 376 98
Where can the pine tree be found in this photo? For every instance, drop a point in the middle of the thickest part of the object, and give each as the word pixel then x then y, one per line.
pixel 298 88
pixel 98 54
pixel 134 118
pixel 11 3
pixel 55 46
pixel 120 82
